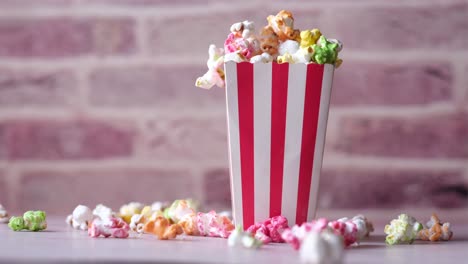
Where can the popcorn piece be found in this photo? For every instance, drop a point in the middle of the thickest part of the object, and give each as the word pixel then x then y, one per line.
pixel 179 208
pixel 240 238
pixel 309 37
pixel 109 227
pixel 80 218
pixel 364 226
pixel 128 210
pixel 269 41
pixel 214 225
pixel 243 29
pixel 270 230
pixel 296 234
pixel 4 218
pixel 189 224
pixel 402 230
pixel 289 46
pixel 31 220
pixel 345 228
pixel 325 51
pixel 162 228
pixel 215 74
pixel 436 230
pixel 103 212
pixel 322 247
pixel 300 56
pixel 138 221
pixel 283 26
pixel 264 57
pixel 241 40
pixel 235 57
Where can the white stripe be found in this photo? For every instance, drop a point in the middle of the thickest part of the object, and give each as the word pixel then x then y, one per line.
pixel 293 139
pixel 230 69
pixel 320 138
pixel 262 139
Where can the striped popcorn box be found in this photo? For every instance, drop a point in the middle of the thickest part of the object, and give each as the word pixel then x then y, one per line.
pixel 277 119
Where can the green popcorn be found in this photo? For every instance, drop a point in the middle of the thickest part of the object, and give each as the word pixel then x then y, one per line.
pixel 16 223
pixel 325 51
pixel 31 220
pixel 402 230
pixel 35 220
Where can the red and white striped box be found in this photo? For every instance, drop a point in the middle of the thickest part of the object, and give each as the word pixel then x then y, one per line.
pixel 277 119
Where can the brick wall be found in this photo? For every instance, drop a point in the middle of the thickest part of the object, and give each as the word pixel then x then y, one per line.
pixel 97 102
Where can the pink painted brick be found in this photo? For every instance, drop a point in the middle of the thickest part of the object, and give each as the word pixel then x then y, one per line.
pixel 199 31
pixel 188 138
pixel 81 139
pixel 430 136
pixel 59 192
pixel 164 86
pixel 34 4
pixel 354 188
pixel 213 28
pixel 61 37
pixel 19 88
pixel 387 83
pixel 395 28
pixel 217 188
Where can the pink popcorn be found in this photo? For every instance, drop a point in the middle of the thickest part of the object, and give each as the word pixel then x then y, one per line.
pixel 110 227
pixel 347 229
pixel 214 225
pixel 296 234
pixel 270 230
pixel 243 46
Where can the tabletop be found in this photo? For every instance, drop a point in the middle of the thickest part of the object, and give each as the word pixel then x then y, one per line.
pixel 62 244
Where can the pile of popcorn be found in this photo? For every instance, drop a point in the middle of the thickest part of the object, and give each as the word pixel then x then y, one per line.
pixel 277 42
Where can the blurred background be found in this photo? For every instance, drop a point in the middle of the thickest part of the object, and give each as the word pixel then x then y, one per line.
pixel 98 104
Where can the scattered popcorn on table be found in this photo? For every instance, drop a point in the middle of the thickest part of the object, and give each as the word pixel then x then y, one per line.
pixel 296 234
pixel 128 210
pixel 322 247
pixel 189 224
pixel 31 220
pixel 214 225
pixel 277 42
pixel 179 208
pixel 4 218
pixel 436 230
pixel 345 228
pixel 270 230
pixel 162 228
pixel 103 212
pixel 109 227
pixel 402 230
pixel 80 218
pixel 240 238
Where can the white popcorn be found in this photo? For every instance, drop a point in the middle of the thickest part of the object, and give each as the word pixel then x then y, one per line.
pixel 4 218
pixel 103 212
pixel 289 46
pixel 80 218
pixel 323 247
pixel 264 57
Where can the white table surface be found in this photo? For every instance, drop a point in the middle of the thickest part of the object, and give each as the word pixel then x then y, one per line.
pixel 62 244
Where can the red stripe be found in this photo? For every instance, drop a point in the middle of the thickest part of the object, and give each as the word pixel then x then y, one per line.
pixel 279 99
pixel 246 137
pixel 309 132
